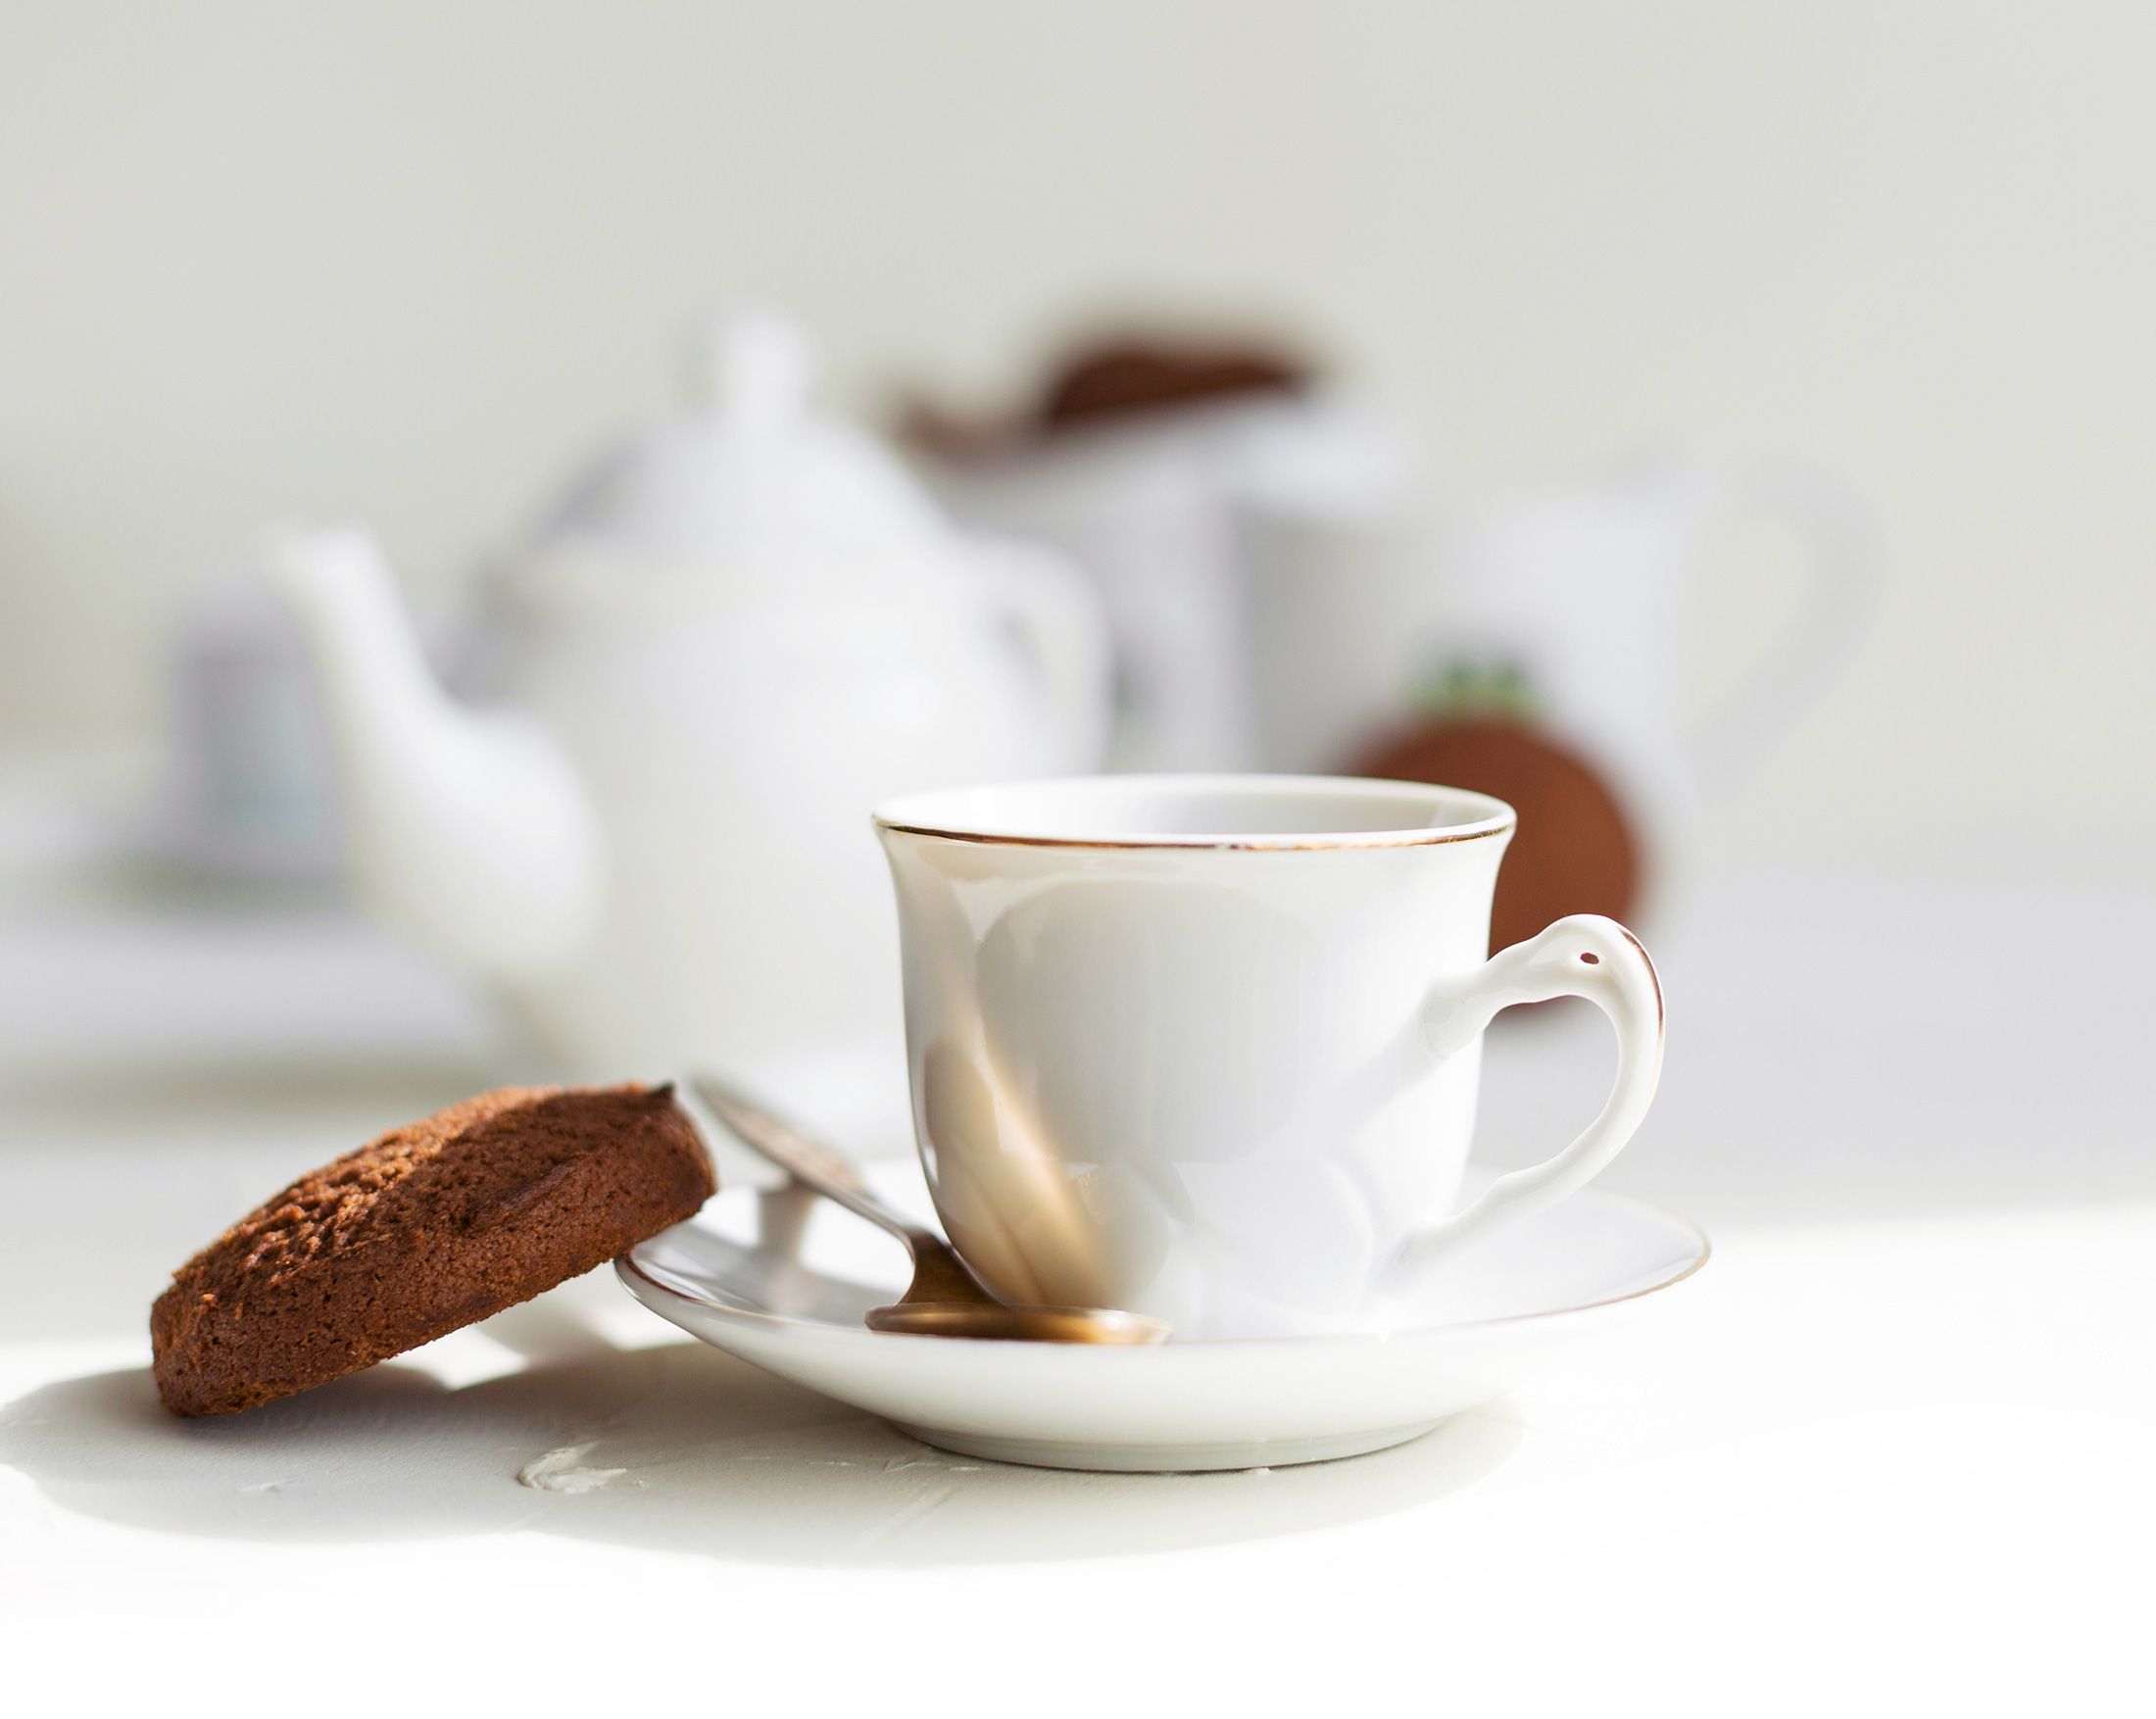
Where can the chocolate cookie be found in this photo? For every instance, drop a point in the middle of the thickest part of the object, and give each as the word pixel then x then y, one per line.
pixel 430 1227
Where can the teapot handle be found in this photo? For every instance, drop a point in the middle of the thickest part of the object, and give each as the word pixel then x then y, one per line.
pixel 1841 532
pixel 1059 621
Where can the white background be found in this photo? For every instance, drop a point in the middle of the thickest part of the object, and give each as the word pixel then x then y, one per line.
pixel 410 261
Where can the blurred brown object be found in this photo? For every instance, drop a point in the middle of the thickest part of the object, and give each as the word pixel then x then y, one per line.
pixel 1575 853
pixel 1112 379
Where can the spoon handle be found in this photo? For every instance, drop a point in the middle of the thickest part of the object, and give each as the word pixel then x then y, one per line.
pixel 807 1161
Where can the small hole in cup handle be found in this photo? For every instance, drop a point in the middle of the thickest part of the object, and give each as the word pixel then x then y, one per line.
pixel 1588 958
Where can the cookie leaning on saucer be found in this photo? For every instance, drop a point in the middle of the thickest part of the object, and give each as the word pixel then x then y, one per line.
pixel 426 1229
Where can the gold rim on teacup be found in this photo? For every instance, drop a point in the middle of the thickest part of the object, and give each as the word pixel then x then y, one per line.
pixel 1469 815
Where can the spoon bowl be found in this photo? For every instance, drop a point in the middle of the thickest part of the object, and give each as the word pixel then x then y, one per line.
pixel 945 1298
pixel 1002 1322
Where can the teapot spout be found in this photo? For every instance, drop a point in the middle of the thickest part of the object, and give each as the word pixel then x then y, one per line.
pixel 470 827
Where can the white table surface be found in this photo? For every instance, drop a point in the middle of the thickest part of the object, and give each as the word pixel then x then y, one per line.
pixel 1897 1444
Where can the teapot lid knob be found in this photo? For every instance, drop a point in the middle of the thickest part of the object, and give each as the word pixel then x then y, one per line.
pixel 754 367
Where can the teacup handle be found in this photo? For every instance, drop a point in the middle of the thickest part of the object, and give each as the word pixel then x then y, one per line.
pixel 1582 955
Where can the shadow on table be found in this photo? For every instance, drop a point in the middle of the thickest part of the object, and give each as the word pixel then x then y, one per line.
pixel 675 1448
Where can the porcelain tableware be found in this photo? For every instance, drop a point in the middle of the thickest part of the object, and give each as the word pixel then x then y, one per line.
pixel 731 636
pixel 1567 1273
pixel 246 790
pixel 1207 1047
pixel 1365 611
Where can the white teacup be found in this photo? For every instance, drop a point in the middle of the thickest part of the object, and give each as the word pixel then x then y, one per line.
pixel 1207 1046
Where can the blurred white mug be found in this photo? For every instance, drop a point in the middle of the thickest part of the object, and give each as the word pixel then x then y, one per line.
pixel 1577 595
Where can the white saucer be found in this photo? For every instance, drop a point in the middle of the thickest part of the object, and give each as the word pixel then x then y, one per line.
pixel 792 1305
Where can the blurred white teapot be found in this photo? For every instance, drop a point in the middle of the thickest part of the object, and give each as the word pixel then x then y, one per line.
pixel 733 636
